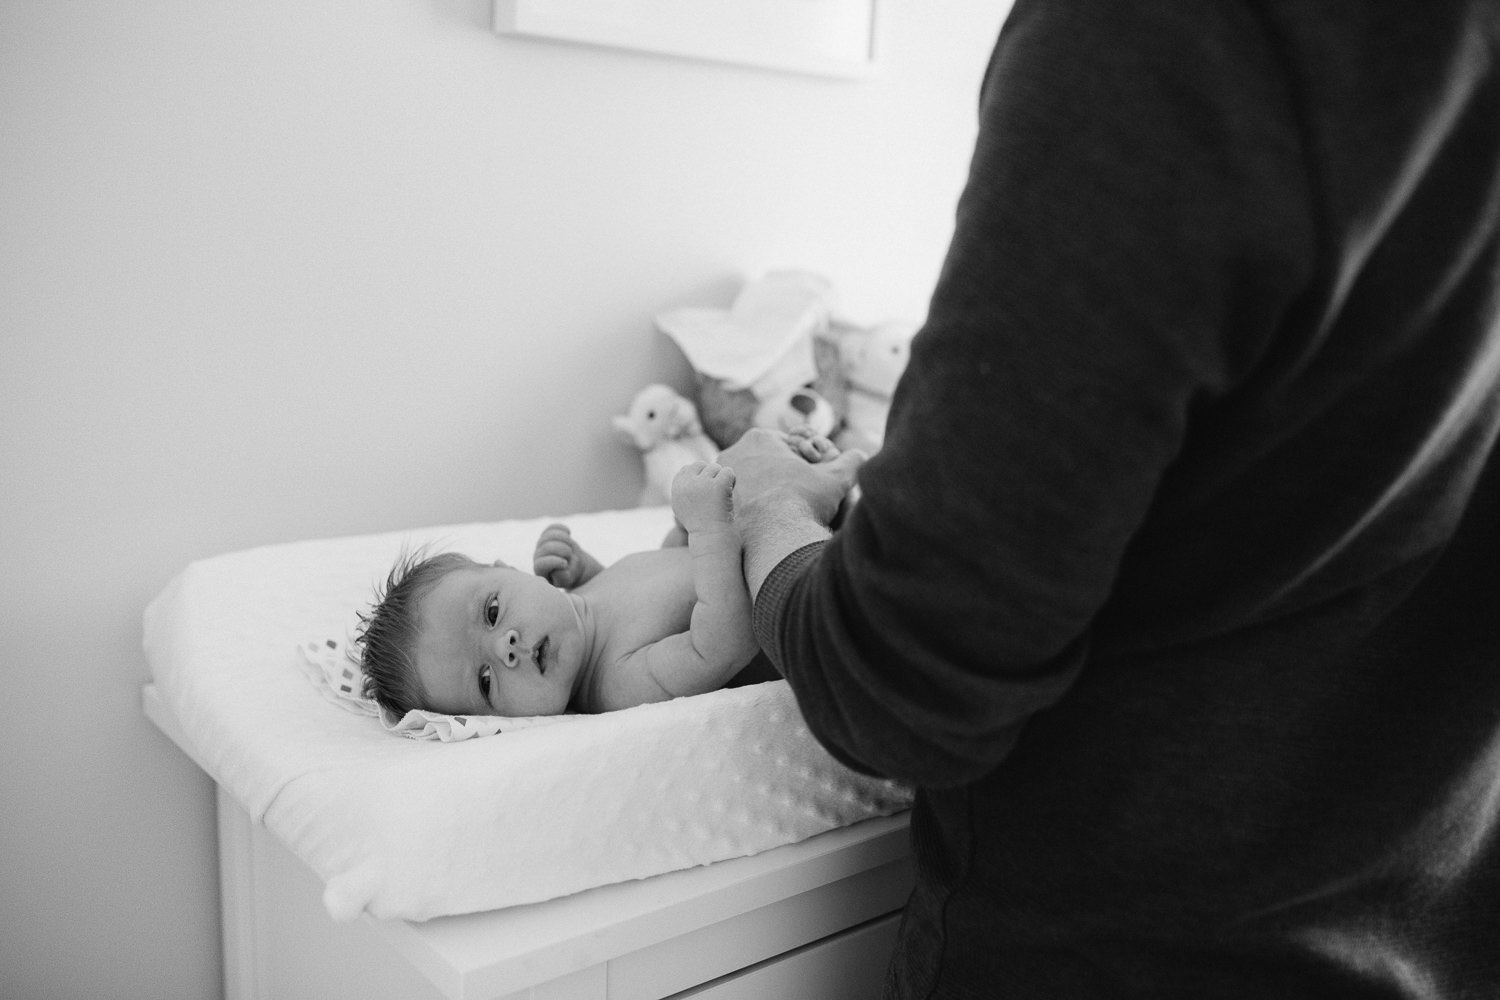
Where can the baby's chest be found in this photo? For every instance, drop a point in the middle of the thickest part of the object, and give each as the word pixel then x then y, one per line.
pixel 649 595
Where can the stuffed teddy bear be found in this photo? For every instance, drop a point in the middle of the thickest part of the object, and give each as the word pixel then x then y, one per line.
pixel 769 360
pixel 664 425
pixel 873 360
pixel 727 413
pixel 804 406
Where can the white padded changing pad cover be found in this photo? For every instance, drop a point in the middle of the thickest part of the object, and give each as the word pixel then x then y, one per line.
pixel 414 829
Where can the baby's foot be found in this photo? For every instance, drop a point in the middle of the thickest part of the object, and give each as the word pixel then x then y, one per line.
pixel 701 496
pixel 812 446
pixel 560 560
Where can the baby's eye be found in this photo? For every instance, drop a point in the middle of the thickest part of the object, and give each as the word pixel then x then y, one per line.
pixel 484 681
pixel 492 611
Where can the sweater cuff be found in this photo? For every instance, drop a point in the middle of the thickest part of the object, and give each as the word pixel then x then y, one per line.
pixel 770 603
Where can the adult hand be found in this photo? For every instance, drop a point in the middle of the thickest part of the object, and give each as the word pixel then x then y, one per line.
pixel 782 501
pixel 767 469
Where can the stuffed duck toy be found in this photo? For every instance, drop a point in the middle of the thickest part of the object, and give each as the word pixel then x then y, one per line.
pixel 664 425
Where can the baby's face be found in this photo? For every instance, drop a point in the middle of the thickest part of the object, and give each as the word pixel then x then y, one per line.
pixel 495 641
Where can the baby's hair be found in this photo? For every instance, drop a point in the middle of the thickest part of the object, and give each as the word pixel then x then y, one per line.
pixel 387 634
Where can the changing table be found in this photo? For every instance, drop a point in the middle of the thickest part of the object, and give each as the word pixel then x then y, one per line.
pixel 704 847
pixel 814 919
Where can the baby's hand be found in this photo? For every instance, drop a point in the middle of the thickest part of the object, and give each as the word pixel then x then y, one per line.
pixel 701 494
pixel 812 446
pixel 558 558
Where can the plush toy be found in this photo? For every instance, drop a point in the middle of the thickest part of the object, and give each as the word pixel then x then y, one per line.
pixel 664 426
pixel 769 360
pixel 873 361
pixel 728 412
pixel 804 406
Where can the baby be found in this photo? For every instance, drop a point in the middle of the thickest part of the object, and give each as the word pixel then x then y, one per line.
pixel 454 636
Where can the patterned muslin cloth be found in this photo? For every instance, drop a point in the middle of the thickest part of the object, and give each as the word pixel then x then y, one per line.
pixel 332 667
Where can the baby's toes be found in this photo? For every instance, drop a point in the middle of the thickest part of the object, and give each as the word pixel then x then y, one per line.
pixel 820 449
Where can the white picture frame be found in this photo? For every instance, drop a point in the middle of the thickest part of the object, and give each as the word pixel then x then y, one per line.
pixel 834 38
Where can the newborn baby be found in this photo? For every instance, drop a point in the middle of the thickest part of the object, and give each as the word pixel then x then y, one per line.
pixel 455 636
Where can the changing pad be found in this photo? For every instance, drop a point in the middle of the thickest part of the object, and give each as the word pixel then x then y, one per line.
pixel 412 829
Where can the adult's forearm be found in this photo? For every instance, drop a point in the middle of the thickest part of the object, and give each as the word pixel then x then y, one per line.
pixel 772 528
pixel 781 501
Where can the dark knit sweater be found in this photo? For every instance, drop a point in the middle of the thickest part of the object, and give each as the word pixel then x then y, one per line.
pixel 1176 586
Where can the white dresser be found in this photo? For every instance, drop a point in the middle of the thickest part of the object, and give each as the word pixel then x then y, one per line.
pixel 813 920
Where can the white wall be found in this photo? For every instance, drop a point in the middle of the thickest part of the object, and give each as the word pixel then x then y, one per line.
pixel 279 270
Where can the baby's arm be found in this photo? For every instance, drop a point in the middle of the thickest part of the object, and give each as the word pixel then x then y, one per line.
pixel 719 641
pixel 560 560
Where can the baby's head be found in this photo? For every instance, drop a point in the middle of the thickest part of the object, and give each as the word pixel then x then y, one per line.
pixel 388 632
pixel 451 635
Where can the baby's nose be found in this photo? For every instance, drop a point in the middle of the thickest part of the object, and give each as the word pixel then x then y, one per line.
pixel 513 651
pixel 511 648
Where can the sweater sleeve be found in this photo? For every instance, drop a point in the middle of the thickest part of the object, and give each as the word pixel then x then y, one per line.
pixel 1133 224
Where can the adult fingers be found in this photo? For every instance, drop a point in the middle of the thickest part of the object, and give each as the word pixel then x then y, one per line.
pixel 846 465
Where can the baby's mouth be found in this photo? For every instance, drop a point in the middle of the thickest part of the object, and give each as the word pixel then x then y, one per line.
pixel 541 654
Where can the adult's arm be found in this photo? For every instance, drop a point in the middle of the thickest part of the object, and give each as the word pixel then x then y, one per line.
pixel 1133 224
pixel 781 501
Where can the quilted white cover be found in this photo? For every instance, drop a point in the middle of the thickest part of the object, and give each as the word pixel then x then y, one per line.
pixel 412 829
